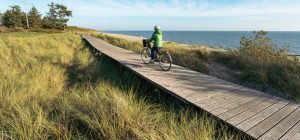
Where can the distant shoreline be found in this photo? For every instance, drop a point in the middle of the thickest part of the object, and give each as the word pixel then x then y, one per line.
pixel 183 31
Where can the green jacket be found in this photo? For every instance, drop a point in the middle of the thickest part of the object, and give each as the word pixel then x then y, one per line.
pixel 157 37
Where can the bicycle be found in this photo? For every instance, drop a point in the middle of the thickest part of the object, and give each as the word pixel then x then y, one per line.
pixel 164 58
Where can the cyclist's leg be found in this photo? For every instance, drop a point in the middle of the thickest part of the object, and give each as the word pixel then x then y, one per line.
pixel 158 50
pixel 157 54
pixel 153 49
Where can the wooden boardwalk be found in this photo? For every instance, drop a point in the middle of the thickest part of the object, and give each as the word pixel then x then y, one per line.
pixel 260 115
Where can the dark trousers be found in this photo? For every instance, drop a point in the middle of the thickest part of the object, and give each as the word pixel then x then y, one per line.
pixel 154 49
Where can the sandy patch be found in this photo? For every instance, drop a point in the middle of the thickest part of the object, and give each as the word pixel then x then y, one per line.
pixel 127 37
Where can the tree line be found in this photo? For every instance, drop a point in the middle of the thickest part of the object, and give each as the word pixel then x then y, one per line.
pixel 56 18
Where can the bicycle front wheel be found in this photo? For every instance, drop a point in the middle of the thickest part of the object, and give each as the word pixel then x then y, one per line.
pixel 165 61
pixel 146 56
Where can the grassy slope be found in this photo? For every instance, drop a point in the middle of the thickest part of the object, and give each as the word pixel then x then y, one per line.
pixel 281 79
pixel 53 88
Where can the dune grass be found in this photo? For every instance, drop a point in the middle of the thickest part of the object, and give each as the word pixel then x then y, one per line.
pixel 52 87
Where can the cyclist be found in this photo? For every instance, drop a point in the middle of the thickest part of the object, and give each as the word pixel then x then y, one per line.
pixel 157 41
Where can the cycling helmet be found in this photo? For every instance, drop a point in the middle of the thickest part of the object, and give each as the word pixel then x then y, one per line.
pixel 156 27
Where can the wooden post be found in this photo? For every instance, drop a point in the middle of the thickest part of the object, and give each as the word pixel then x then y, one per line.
pixel 27 20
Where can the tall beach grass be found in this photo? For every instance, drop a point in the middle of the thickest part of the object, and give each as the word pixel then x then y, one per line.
pixel 52 87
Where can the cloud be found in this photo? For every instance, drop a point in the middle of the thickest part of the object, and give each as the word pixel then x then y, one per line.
pixel 189 8
pixel 173 8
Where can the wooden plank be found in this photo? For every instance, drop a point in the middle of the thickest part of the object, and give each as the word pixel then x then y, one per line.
pixel 293 134
pixel 243 97
pixel 282 127
pixel 225 98
pixel 221 98
pixel 204 93
pixel 265 120
pixel 199 97
pixel 220 107
pixel 237 107
pixel 209 94
pixel 252 111
pixel 226 103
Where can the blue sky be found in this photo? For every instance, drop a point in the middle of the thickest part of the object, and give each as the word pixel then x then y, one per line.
pixel 212 15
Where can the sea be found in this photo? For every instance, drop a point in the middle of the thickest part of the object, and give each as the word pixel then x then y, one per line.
pixel 222 39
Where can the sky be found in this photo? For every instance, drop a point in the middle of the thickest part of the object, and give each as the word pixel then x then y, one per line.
pixel 179 15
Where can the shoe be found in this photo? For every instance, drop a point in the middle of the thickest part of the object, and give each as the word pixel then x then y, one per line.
pixel 156 60
pixel 151 61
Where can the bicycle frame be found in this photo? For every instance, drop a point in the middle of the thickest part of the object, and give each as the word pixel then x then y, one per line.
pixel 147 44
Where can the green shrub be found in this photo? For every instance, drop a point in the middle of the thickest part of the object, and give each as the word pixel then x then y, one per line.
pixel 262 49
pixel 57 17
pixel 34 18
pixel 13 17
pixel 262 52
pixel 262 64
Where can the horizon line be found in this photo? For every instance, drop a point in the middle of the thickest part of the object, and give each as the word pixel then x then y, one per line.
pixel 207 30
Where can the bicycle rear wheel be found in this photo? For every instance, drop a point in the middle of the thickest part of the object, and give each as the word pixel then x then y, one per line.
pixel 146 56
pixel 165 61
